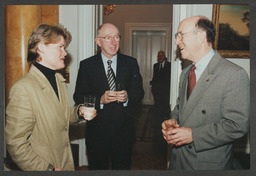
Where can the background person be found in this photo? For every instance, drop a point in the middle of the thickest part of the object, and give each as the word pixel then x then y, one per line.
pixel 161 84
pixel 204 124
pixel 161 93
pixel 38 114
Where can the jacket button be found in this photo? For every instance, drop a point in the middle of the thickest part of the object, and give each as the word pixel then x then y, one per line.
pixel 203 111
pixel 189 146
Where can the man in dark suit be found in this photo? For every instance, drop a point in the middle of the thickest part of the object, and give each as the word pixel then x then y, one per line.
pixel 212 108
pixel 110 135
pixel 161 85
pixel 161 93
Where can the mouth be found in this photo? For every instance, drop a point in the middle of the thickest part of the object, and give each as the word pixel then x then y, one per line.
pixel 113 47
pixel 181 48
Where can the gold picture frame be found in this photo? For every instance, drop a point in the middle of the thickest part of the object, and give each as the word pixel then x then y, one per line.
pixel 229 52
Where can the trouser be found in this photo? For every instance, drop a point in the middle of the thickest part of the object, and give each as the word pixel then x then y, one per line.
pixel 111 155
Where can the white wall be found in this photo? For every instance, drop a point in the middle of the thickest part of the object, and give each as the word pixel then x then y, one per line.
pixel 80 21
pixel 245 63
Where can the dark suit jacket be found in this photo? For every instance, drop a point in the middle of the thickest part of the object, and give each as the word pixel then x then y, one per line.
pixel 114 121
pixel 161 81
pixel 218 113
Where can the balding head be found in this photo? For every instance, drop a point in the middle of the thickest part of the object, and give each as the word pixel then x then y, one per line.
pixel 195 37
pixel 107 39
pixel 106 26
pixel 203 23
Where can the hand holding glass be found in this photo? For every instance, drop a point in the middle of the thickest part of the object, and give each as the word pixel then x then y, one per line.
pixel 121 93
pixel 118 88
pixel 89 107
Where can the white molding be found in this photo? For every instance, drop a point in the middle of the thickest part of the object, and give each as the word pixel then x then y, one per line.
pixel 100 14
pixel 86 31
pixel 81 21
pixel 130 27
pixel 68 15
pixel 176 63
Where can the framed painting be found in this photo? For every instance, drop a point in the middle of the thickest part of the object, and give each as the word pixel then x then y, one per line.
pixel 232 24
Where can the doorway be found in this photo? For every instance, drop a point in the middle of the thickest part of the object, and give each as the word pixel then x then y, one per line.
pixel 143 41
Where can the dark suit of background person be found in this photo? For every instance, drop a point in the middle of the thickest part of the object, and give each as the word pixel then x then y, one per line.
pixel 161 85
pixel 161 93
pixel 111 134
pixel 217 111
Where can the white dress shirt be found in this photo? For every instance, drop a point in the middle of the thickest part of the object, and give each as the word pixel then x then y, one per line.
pixel 113 65
pixel 202 63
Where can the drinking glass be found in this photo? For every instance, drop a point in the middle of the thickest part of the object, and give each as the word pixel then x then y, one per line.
pixel 89 103
pixel 119 87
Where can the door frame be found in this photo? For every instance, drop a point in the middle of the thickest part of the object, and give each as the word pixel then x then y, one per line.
pixel 130 27
pixel 147 27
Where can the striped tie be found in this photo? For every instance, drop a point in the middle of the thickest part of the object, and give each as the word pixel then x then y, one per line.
pixel 111 76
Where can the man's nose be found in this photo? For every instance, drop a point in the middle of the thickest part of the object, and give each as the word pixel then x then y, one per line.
pixel 177 41
pixel 113 41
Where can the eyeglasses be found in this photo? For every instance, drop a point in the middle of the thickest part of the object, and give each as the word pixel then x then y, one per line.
pixel 179 35
pixel 108 39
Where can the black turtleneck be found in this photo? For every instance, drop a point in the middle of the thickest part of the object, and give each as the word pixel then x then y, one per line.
pixel 49 74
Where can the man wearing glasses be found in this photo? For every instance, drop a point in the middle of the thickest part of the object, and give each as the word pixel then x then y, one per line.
pixel 212 109
pixel 116 82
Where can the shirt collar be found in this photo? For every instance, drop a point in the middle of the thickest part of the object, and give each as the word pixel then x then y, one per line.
pixel 161 64
pixel 105 59
pixel 105 62
pixel 201 65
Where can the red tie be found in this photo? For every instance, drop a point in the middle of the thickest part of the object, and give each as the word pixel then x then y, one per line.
pixel 191 80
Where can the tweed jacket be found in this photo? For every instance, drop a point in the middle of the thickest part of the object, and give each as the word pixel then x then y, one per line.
pixel 217 111
pixel 37 123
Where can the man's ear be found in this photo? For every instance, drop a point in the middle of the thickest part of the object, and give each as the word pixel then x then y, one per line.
pixel 97 41
pixel 202 36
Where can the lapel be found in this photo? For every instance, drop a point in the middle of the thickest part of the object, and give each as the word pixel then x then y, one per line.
pixel 205 80
pixel 183 85
pixel 120 66
pixel 48 93
pixel 61 85
pixel 100 72
pixel 156 68
pixel 165 64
